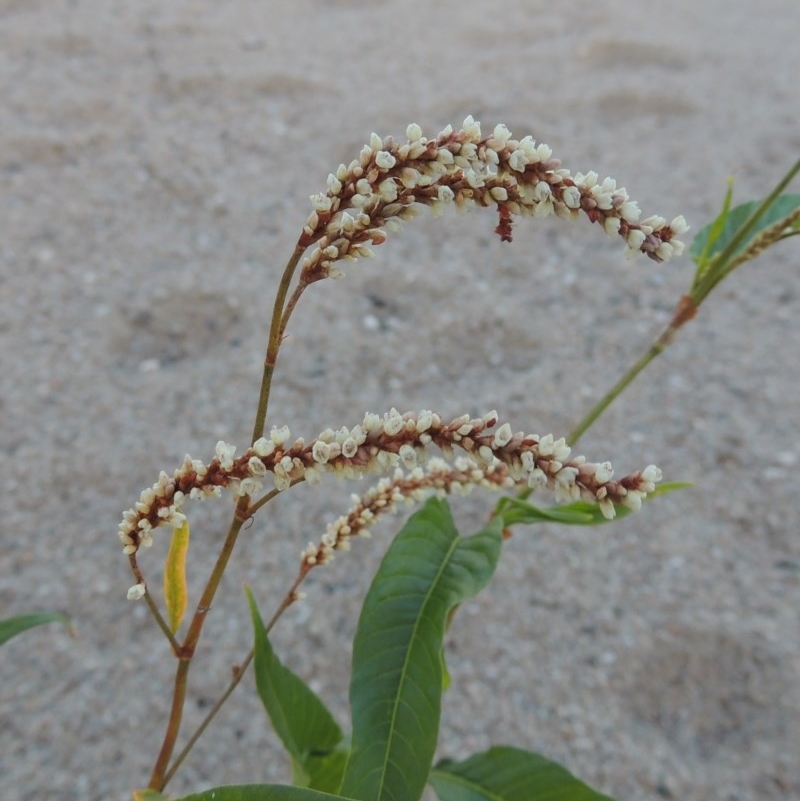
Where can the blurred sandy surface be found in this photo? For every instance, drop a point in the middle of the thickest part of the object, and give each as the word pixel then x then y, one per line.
pixel 155 166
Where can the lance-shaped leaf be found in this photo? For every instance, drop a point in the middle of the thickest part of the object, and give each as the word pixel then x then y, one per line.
pixel 579 513
pixel 305 726
pixel 504 773
pixel 716 236
pixel 261 792
pixel 12 626
pixel 396 686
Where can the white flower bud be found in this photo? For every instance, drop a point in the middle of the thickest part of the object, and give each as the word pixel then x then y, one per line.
pixel 334 184
pixel 502 436
pixel 572 197
pixel 321 202
pixel 607 509
pixel 256 467
pixel 413 132
pixel 604 473
pixel 385 160
pixel 136 592
pixel 652 473
pixel 279 436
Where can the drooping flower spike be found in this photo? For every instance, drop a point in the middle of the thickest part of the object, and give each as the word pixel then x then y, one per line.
pixel 378 445
pixel 389 182
pixel 437 476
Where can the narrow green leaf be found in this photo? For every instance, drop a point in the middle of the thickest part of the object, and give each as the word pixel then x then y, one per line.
pixel 12 626
pixel 261 792
pixel 504 773
pixel 701 252
pixel 579 513
pixel 396 685
pixel 667 487
pixel 709 241
pixel 305 726
pixel 176 595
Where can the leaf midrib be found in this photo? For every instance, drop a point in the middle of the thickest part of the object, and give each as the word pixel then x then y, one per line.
pixel 392 731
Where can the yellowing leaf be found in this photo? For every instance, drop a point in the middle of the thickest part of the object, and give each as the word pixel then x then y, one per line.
pixel 175 592
pixel 148 795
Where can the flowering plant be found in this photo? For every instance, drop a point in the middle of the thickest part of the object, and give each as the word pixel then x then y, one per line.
pixel 398 671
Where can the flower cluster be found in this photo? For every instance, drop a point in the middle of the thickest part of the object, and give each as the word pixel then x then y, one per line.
pixel 378 445
pixel 389 181
pixel 383 498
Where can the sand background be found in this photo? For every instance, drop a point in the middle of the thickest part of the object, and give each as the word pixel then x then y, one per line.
pixel 155 166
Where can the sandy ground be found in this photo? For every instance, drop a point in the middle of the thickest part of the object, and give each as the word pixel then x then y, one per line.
pixel 155 166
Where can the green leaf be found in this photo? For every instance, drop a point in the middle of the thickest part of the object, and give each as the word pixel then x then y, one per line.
pixel 578 513
pixel 305 726
pixel 12 626
pixel 713 238
pixel 504 773
pixel 261 792
pixel 325 772
pixel 175 591
pixel 396 686
pixel 701 252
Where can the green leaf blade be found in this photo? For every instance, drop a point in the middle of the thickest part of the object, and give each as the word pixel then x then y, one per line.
pixel 12 626
pixel 716 236
pixel 396 686
pixel 504 773
pixel 580 513
pixel 303 723
pixel 515 511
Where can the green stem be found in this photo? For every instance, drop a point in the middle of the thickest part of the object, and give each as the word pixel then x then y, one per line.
pixel 685 311
pixel 615 391
pixel 276 330
pixel 281 312
pixel 241 515
pixel 270 495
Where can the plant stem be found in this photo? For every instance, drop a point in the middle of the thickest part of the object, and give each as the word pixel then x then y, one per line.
pixel 685 311
pixel 281 312
pixel 238 674
pixel 186 650
pixel 157 780
pixel 276 329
